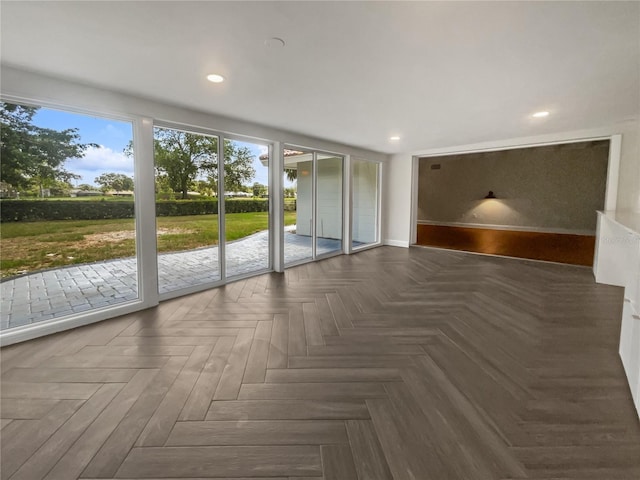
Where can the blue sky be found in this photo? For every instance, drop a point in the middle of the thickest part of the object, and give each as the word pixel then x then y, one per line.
pixel 112 136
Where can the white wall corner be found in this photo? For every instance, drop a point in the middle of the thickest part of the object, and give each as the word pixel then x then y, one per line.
pixel 397 208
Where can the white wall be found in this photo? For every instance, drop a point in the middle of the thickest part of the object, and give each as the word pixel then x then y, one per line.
pixel 629 182
pixel 396 201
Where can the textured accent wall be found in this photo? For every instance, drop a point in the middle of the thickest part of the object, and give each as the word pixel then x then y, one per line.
pixel 556 187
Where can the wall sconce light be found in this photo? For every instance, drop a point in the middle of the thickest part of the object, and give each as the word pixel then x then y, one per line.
pixel 490 194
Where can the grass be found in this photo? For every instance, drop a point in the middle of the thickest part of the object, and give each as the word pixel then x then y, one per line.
pixel 32 246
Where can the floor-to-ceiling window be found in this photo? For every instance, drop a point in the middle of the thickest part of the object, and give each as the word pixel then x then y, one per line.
pixel 298 181
pixel 365 186
pixel 329 209
pixel 68 237
pixel 316 180
pixel 187 207
pixel 212 204
pixel 246 220
pixel 77 237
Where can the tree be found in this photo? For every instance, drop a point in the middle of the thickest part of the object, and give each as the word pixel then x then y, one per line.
pixel 85 187
pixel 204 188
pixel 163 189
pixel 291 173
pixel 59 188
pixel 259 189
pixel 238 167
pixel 181 158
pixel 114 181
pixel 32 154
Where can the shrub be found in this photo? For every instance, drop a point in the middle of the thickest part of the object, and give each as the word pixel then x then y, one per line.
pixel 172 208
pixel 30 210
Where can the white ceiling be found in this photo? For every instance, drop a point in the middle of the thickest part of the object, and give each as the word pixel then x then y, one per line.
pixel 436 73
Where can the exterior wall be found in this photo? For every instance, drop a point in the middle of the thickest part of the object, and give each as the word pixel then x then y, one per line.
pixel 329 185
pixel 365 201
pixel 304 203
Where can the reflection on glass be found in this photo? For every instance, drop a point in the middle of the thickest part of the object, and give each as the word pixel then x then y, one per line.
pixel 246 184
pixel 186 209
pixel 298 206
pixel 316 181
pixel 328 204
pixel 364 228
pixel 68 240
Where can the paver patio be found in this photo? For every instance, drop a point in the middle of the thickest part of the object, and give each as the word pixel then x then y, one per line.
pixel 55 293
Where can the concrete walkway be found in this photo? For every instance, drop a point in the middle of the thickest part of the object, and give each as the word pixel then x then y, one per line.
pixel 69 290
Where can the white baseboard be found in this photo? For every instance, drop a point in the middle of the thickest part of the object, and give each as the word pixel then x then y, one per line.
pixel 396 243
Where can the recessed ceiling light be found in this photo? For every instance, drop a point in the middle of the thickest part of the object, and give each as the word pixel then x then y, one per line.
pixel 540 114
pixel 274 42
pixel 215 78
pixel 395 138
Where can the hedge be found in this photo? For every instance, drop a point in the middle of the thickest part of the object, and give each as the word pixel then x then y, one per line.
pixel 29 210
pixel 33 210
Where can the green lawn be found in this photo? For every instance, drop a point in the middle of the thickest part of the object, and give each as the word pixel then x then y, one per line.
pixel 33 246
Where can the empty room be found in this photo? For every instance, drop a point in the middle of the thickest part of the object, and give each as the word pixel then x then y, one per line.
pixel 370 240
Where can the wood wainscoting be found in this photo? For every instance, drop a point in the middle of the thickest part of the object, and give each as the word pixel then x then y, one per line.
pixel 553 247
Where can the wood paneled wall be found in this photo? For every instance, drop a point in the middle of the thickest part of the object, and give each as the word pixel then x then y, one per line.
pixel 554 247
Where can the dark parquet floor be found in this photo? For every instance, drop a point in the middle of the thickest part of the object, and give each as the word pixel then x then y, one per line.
pixel 405 364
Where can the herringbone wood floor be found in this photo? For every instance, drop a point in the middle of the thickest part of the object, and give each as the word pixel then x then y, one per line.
pixel 388 364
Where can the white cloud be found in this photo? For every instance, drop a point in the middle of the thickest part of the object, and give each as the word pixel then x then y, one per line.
pixel 101 159
pixel 98 160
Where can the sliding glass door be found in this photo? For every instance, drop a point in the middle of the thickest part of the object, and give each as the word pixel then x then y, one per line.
pixel 186 209
pixel 77 230
pixel 298 206
pixel 212 220
pixel 328 212
pixel 315 181
pixel 365 185
pixel 246 219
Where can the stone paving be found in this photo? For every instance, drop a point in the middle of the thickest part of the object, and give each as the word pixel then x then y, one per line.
pixel 69 290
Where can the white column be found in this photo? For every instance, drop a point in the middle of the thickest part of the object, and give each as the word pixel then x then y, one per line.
pixel 145 208
pixel 347 205
pixel 276 196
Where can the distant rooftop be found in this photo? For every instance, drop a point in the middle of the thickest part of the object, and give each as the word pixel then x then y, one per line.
pixel 287 153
